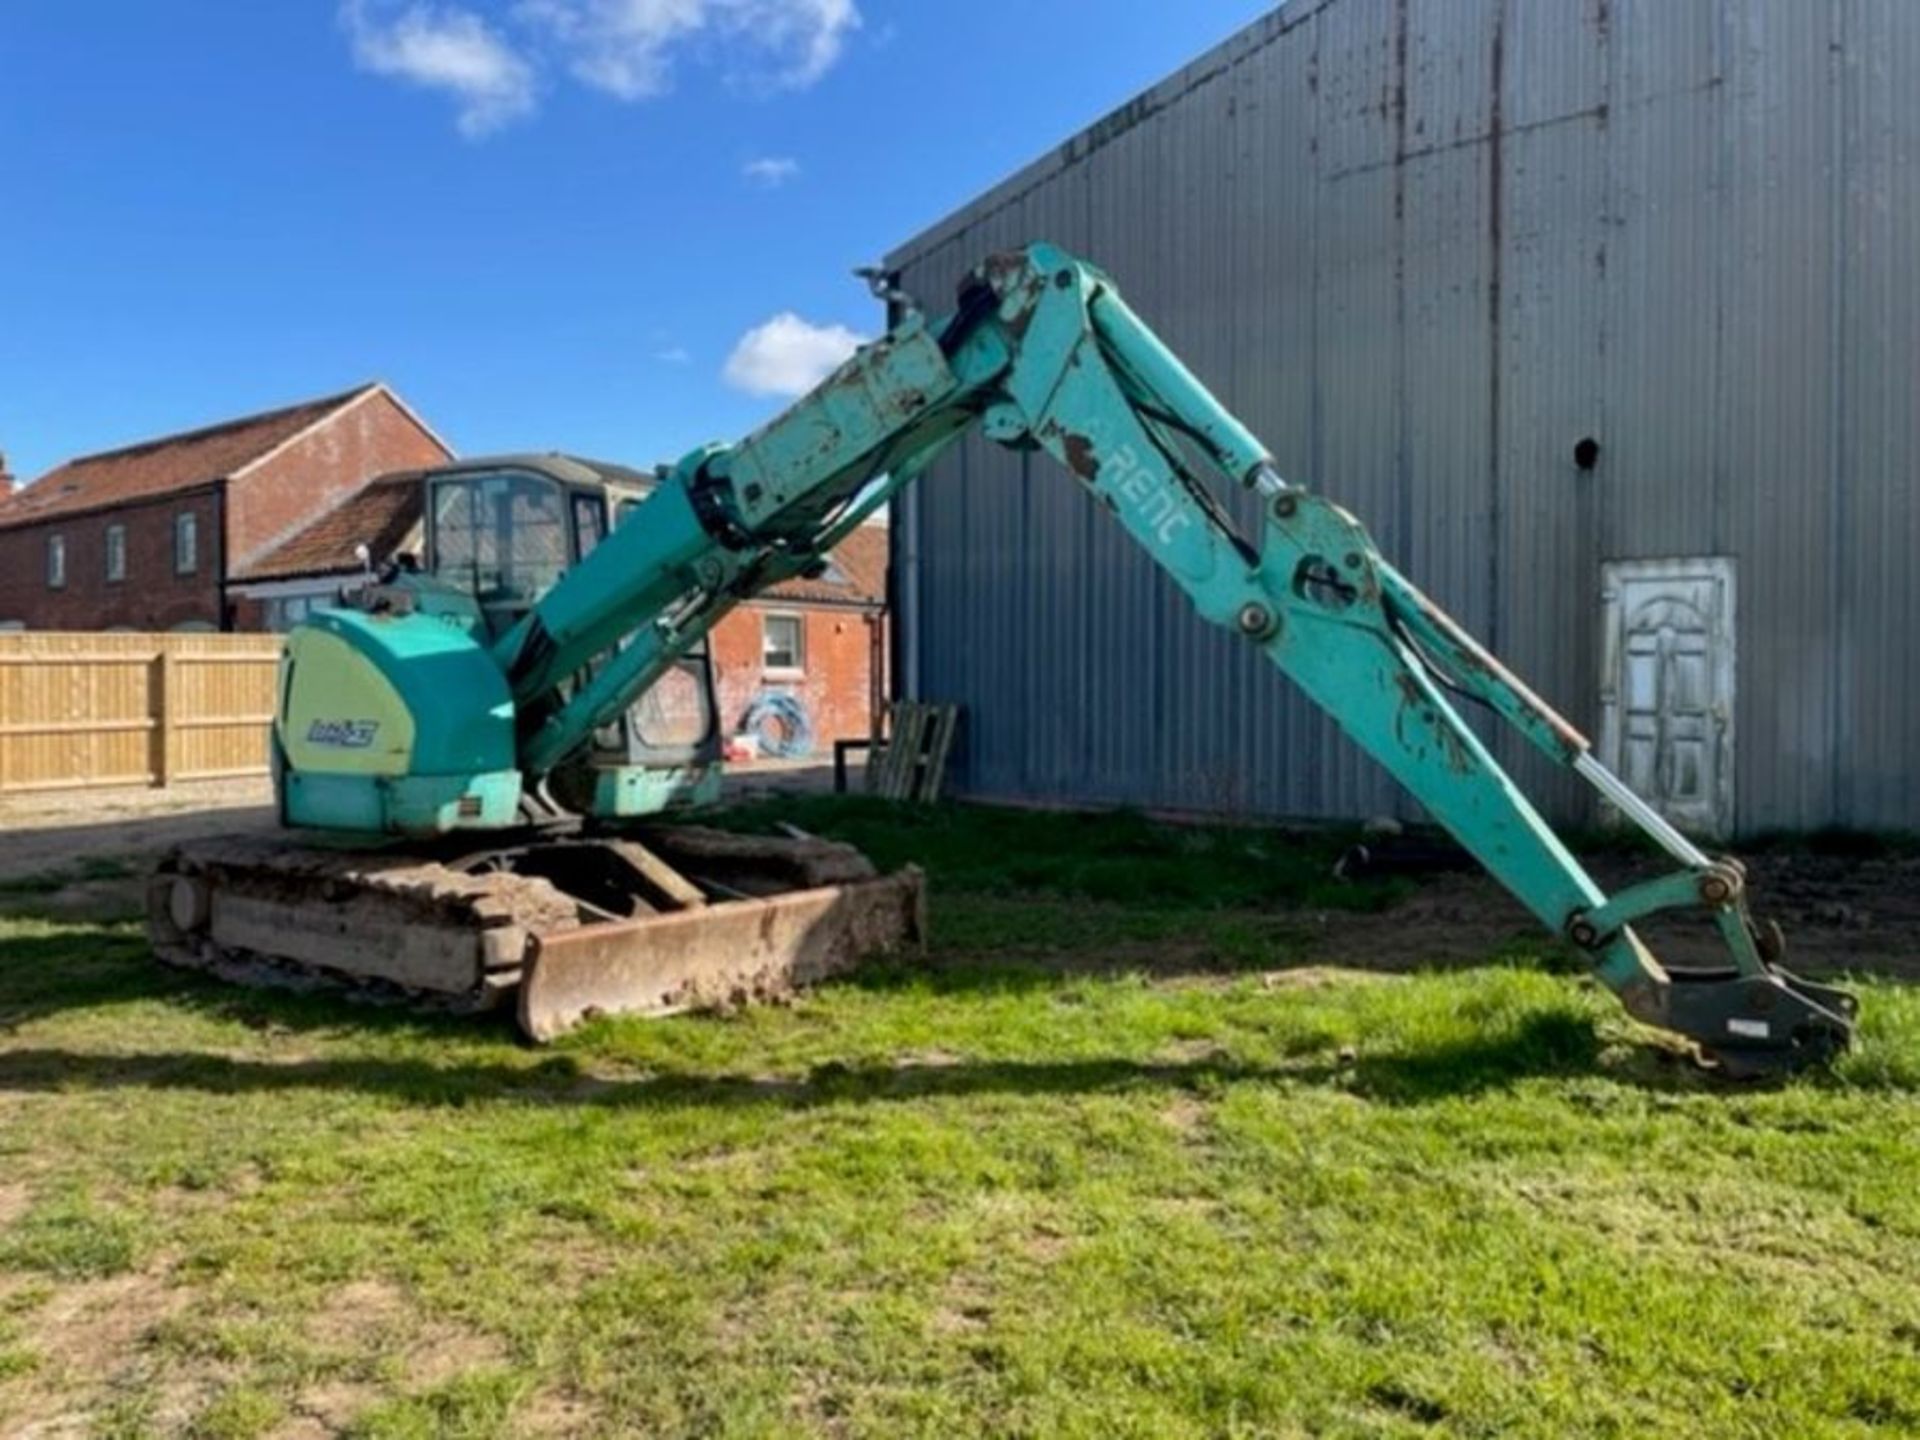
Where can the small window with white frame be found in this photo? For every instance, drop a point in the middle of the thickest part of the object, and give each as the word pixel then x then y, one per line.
pixel 783 643
pixel 186 543
pixel 116 553
pixel 56 562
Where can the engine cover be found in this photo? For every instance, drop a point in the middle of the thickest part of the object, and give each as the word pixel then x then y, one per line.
pixel 396 724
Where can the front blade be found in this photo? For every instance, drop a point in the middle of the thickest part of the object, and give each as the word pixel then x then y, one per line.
pixel 722 954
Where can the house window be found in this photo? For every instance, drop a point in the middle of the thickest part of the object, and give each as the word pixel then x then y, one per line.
pixel 186 543
pixel 116 552
pixel 56 562
pixel 286 611
pixel 782 642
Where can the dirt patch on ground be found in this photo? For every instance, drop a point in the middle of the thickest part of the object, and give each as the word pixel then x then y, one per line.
pixel 372 1317
pixel 93 1342
pixel 1450 920
pixel 1189 1052
pixel 553 1413
pixel 1046 1246
pixel 328 1409
pixel 1842 913
pixel 1319 977
pixel 1185 1115
pixel 965 1309
pixel 442 1352
pixel 94 1327
pixel 356 1313
pixel 928 1060
pixel 1838 914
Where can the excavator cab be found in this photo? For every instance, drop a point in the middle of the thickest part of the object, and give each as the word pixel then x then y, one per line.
pixel 503 531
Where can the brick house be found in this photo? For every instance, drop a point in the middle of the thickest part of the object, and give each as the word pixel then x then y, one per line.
pixel 821 641
pixel 308 569
pixel 152 536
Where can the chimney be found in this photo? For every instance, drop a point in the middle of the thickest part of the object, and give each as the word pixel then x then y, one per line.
pixel 6 477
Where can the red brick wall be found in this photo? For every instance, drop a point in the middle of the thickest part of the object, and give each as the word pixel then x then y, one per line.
pixel 262 507
pixel 152 597
pixel 836 684
pixel 246 613
pixel 286 493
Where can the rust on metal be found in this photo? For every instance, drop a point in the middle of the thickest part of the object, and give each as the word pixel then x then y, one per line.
pixel 730 953
pixel 1013 278
pixel 1471 656
pixel 1003 267
pixel 1415 700
pixel 1081 456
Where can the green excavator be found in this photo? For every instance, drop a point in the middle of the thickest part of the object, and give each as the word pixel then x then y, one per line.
pixel 464 754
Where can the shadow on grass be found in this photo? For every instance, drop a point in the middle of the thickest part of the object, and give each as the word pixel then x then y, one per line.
pixel 78 965
pixel 104 966
pixel 1546 1045
pixel 108 966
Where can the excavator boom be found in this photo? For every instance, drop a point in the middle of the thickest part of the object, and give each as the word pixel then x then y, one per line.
pixel 1042 353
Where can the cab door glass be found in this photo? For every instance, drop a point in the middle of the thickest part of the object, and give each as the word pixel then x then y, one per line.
pixel 589 524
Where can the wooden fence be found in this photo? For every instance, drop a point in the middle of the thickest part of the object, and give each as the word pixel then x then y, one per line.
pixel 82 710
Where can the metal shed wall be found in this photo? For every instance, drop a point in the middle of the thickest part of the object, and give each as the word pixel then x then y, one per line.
pixel 1423 247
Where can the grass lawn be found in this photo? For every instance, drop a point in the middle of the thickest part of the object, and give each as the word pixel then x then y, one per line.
pixel 1119 1159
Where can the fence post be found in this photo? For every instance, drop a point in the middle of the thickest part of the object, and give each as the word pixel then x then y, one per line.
pixel 165 696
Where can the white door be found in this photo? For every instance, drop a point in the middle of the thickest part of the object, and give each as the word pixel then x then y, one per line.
pixel 1666 686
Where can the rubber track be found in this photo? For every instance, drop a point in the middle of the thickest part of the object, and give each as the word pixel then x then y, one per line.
pixel 413 890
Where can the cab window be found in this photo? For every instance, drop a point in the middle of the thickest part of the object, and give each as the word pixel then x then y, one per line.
pixel 501 537
pixel 589 524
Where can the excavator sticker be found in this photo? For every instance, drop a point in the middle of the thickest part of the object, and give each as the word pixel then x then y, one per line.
pixel 1151 498
pixel 343 734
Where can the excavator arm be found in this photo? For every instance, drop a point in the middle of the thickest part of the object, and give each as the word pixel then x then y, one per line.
pixel 1042 353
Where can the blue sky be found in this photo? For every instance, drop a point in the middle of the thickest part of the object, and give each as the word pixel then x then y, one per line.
pixel 618 227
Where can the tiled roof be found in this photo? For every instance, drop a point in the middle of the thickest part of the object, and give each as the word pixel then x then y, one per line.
pixel 860 565
pixel 380 516
pixel 167 465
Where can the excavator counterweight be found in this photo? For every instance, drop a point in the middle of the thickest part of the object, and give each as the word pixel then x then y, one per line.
pixel 410 716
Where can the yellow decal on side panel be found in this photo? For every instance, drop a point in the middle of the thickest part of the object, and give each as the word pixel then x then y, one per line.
pixel 341 716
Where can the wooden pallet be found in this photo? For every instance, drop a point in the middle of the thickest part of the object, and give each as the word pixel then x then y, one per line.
pixel 912 764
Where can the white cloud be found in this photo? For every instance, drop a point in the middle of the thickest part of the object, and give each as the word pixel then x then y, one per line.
pixel 627 47
pixel 787 355
pixel 771 171
pixel 673 355
pixel 445 48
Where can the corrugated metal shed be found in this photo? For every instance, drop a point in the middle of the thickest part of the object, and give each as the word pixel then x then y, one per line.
pixel 1423 247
